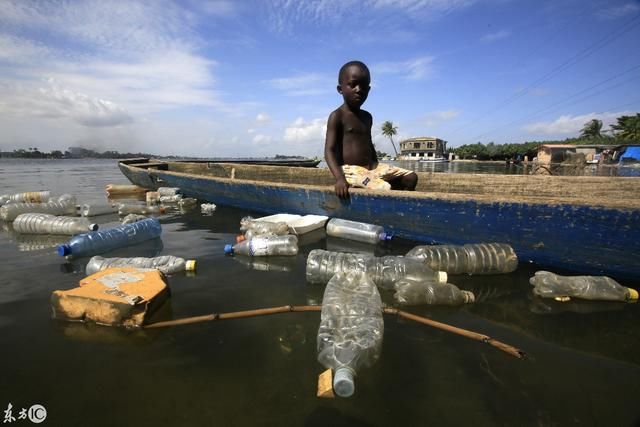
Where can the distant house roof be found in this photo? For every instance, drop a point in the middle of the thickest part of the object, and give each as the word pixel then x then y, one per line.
pixel 556 146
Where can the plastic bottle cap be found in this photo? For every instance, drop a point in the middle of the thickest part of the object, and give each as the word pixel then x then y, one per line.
pixel 633 294
pixel 64 250
pixel 386 236
pixel 190 265
pixel 469 297
pixel 228 249
pixel 442 276
pixel 93 227
pixel 343 383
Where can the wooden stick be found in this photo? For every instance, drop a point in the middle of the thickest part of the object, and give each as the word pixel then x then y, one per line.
pixel 513 351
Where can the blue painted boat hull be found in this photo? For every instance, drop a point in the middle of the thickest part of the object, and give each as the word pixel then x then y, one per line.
pixel 582 239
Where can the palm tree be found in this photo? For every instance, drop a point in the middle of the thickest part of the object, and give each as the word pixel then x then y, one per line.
pixel 627 128
pixel 388 129
pixel 592 129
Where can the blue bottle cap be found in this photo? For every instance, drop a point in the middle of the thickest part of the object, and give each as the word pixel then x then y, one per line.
pixel 228 249
pixel 64 250
pixel 385 237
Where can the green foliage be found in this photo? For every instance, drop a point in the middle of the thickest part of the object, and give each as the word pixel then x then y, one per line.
pixel 389 130
pixel 592 129
pixel 627 128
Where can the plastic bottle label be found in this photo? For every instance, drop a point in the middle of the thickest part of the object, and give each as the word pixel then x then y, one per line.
pixel 258 247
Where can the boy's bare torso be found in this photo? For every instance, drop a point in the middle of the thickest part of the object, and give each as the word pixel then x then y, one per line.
pixel 354 135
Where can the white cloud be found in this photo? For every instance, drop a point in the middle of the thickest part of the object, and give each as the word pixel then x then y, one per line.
pixel 302 131
pixel 263 118
pixel 568 124
pixel 262 139
pixel 491 37
pixel 304 84
pixel 435 118
pixel 616 12
pixel 412 69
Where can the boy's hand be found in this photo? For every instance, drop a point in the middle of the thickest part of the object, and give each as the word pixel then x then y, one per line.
pixel 342 188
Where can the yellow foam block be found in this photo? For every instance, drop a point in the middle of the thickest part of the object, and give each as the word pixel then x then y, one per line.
pixel 120 296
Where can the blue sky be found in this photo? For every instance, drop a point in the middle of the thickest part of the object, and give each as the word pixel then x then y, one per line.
pixel 257 78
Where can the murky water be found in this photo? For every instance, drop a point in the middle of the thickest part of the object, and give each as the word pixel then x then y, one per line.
pixel 583 369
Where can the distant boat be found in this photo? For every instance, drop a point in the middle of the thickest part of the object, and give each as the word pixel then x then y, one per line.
pixel 433 160
pixel 579 223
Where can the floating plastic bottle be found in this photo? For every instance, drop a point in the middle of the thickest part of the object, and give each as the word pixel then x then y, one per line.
pixel 140 209
pixel 167 264
pixel 417 292
pixel 474 258
pixel 603 288
pixel 124 189
pixel 30 197
pixel 96 209
pixel 152 197
pixel 105 240
pixel 265 246
pixel 254 227
pixel 168 191
pixel 174 198
pixel 131 218
pixel 351 328
pixel 358 231
pixel 384 271
pixel 9 212
pixel 38 223
pixel 208 208
pixel 187 203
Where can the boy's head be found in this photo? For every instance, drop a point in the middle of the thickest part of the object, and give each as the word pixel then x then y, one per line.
pixel 354 81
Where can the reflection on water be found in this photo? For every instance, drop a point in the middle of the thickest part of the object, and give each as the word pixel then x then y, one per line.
pixel 263 371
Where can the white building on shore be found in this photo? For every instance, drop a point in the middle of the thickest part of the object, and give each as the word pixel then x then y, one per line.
pixel 422 147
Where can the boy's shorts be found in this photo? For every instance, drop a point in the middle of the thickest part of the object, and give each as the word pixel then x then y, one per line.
pixel 376 179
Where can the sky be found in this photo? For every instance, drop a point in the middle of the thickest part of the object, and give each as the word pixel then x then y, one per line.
pixel 258 78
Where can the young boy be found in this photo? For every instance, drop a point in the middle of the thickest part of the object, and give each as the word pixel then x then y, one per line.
pixel 348 143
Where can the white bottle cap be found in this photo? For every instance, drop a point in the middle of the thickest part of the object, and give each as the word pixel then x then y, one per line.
pixel 442 276
pixel 343 383
pixel 190 265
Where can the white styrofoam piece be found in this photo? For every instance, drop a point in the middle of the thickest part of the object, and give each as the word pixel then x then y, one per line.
pixel 298 224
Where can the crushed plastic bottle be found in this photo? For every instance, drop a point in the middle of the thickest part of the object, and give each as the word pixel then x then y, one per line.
pixel 9 212
pixel 167 264
pixel 265 246
pixel 562 288
pixel 105 240
pixel 29 197
pixel 417 292
pixel 384 271
pixel 39 223
pixel 124 189
pixel 474 258
pixel 131 218
pixel 168 191
pixel 252 227
pixel 207 208
pixel 358 231
pixel 124 209
pixel 96 209
pixel 351 328
pixel 152 197
pixel 175 198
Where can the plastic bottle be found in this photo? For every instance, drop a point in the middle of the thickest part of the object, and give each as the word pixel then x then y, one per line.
pixel 175 198
pixel 208 208
pixel 167 264
pixel 474 258
pixel 95 209
pixel 254 227
pixel 417 292
pixel 265 246
pixel 124 189
pixel 38 223
pixel 30 197
pixel 384 271
pixel 168 191
pixel 351 328
pixel 358 231
pixel 102 241
pixel 551 285
pixel 152 197
pixel 140 209
pixel 9 212
pixel 131 218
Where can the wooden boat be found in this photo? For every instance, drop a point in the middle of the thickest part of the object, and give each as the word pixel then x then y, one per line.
pixel 583 224
pixel 284 161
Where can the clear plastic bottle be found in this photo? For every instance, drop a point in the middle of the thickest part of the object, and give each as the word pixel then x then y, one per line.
pixel 31 197
pixel 208 208
pixel 124 189
pixel 167 264
pixel 265 246
pixel 38 223
pixel 105 240
pixel 10 211
pixel 168 191
pixel 175 198
pixel 417 292
pixel 131 218
pixel 384 271
pixel 351 328
pixel 124 209
pixel 603 288
pixel 254 227
pixel 474 258
pixel 358 231
pixel 96 209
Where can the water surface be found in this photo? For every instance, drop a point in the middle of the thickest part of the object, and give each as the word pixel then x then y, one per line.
pixel 583 369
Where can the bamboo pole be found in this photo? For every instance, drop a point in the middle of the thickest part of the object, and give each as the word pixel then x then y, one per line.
pixel 513 351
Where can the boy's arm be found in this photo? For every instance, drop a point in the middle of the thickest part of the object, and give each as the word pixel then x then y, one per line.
pixel 374 155
pixel 331 147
